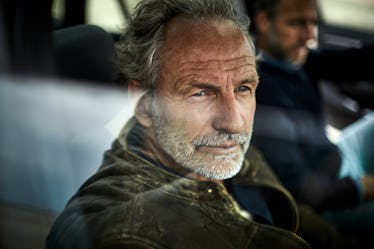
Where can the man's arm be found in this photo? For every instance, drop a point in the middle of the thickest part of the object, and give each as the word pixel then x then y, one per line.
pixel 310 180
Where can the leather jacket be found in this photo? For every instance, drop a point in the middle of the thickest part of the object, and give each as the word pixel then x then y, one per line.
pixel 133 203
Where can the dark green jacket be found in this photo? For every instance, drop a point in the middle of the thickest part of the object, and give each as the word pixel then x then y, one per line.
pixel 132 203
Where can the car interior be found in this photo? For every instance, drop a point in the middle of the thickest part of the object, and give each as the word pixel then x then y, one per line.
pixel 61 107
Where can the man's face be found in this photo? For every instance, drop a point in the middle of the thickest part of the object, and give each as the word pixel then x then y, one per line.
pixel 205 100
pixel 294 25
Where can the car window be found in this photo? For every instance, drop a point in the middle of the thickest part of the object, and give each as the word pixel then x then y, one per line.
pixel 97 13
pixel 110 14
pixel 356 14
pixel 58 9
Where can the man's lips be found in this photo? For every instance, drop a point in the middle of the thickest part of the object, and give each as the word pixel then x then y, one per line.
pixel 301 49
pixel 222 149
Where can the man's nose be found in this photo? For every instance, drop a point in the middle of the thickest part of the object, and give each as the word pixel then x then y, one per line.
pixel 228 117
pixel 309 31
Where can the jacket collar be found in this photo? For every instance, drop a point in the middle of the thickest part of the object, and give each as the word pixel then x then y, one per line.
pixel 282 65
pixel 254 173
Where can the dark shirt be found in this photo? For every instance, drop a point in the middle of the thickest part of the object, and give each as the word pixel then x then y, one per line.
pixel 289 126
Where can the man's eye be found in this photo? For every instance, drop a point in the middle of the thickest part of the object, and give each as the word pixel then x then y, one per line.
pixel 200 94
pixel 296 23
pixel 243 89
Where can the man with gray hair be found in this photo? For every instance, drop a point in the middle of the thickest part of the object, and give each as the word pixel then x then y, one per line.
pixel 167 181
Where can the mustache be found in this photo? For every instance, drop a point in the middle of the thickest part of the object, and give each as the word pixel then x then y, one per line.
pixel 219 139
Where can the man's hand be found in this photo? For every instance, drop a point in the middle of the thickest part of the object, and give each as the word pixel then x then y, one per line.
pixel 368 187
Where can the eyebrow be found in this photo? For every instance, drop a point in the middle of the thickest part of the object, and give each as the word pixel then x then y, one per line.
pixel 253 80
pixel 204 85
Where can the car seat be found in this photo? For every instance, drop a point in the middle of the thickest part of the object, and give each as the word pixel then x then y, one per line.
pixel 84 52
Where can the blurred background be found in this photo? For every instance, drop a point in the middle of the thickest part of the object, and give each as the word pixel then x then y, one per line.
pixel 60 107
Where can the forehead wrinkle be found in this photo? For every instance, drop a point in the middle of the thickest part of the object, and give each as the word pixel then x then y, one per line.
pixel 242 71
pixel 190 75
pixel 251 75
pixel 224 65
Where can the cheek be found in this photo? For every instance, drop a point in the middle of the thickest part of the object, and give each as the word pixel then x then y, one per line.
pixel 248 112
pixel 192 120
pixel 292 35
pixel 286 34
pixel 196 120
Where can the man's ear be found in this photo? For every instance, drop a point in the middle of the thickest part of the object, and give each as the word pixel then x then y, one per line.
pixel 143 102
pixel 262 22
pixel 143 110
pixel 134 87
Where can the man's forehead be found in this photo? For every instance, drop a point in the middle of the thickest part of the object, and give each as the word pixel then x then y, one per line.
pixel 191 35
pixel 213 43
pixel 215 72
pixel 296 6
pixel 228 64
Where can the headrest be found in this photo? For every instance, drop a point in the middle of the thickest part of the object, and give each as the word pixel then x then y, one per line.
pixel 84 52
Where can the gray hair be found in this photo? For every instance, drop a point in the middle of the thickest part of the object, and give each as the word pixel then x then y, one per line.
pixel 138 51
pixel 268 6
